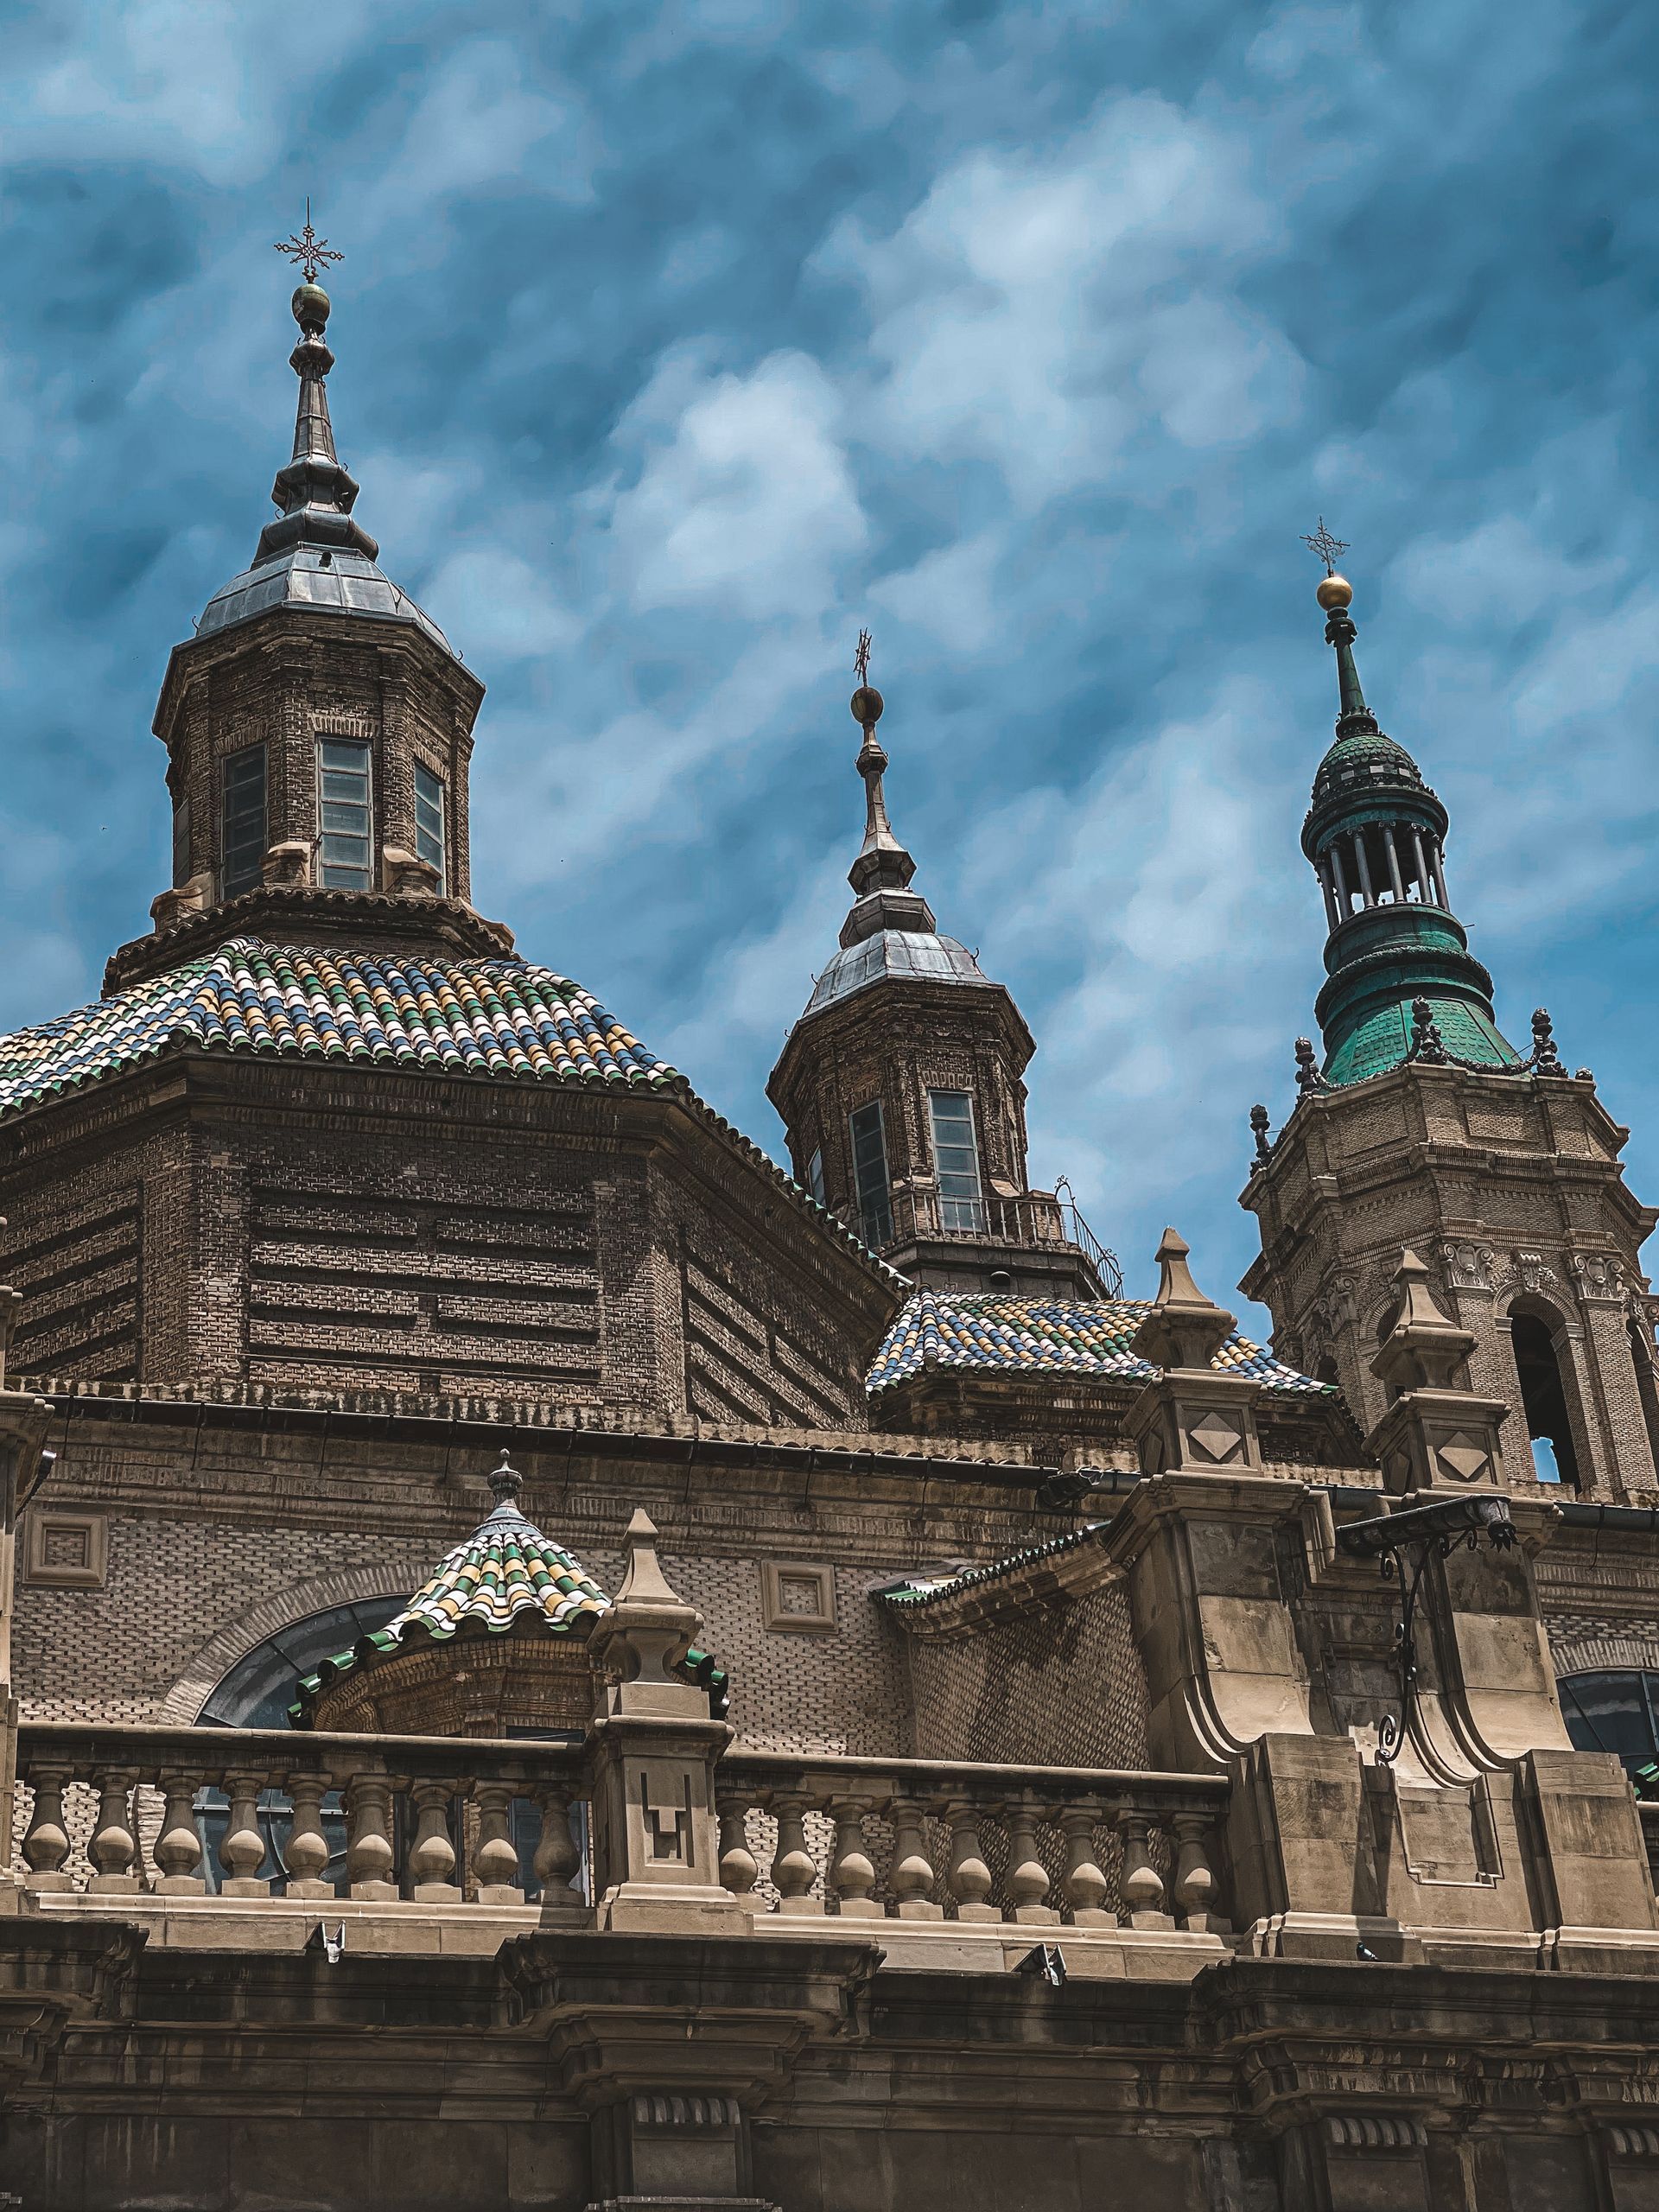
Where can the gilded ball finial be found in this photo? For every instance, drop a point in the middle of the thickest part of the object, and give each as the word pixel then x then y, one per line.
pixel 867 704
pixel 1334 591
pixel 310 306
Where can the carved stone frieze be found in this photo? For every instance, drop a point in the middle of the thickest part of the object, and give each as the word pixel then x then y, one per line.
pixel 1465 1264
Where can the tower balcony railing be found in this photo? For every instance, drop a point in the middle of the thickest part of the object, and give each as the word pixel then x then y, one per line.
pixel 118 1815
pixel 1034 1221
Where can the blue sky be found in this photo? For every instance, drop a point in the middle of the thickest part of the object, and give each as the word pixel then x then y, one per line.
pixel 675 343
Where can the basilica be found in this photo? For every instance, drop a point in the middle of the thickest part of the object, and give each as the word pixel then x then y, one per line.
pixel 548 1661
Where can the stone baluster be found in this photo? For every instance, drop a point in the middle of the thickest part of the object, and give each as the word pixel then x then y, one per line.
pixel 739 1870
pixel 557 1858
pixel 369 1857
pixel 1028 1878
pixel 913 1880
pixel 432 1856
pixel 498 1861
pixel 792 1870
pixel 1142 1885
pixel 242 1847
pixel 852 1872
pixel 1086 1886
pixel 306 1857
pixel 1195 1881
pixel 46 1844
pixel 970 1878
pixel 114 1847
pixel 177 1849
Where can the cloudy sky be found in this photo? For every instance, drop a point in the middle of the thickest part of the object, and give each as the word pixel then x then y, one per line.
pixel 676 342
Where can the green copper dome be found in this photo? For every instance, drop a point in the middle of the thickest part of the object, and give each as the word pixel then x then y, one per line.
pixel 1374 833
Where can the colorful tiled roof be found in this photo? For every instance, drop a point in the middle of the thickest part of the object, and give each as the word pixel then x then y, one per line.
pixel 1032 1336
pixel 922 1589
pixel 506 1573
pixel 479 1017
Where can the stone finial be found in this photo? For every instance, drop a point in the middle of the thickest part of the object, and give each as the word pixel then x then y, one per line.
pixel 1546 1059
pixel 1185 1328
pixel 1424 1347
pixel 1307 1073
pixel 506 1483
pixel 1260 1125
pixel 640 1643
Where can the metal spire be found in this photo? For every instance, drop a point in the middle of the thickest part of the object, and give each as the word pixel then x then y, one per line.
pixel 314 493
pixel 1335 595
pixel 882 863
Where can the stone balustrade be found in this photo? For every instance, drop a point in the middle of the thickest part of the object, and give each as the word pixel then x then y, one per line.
pixel 931 1840
pixel 253 1813
pixel 178 1812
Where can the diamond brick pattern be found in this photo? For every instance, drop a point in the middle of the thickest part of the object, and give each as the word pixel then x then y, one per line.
pixel 1037 1337
pixel 476 1017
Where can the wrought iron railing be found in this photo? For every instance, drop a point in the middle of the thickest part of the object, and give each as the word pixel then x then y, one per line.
pixel 1035 1221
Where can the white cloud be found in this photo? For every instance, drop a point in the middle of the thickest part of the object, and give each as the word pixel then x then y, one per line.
pixel 490 601
pixel 1041 312
pixel 744 496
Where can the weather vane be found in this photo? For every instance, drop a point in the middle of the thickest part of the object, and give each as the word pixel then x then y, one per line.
pixel 311 252
pixel 1326 546
pixel 862 658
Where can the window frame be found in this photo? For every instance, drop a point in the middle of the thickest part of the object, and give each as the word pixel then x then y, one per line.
pixel 874 1206
pixel 959 1216
pixel 436 798
pixel 365 749
pixel 250 871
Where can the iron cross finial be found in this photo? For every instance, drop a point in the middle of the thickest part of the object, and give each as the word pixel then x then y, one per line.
pixel 1326 546
pixel 307 248
pixel 862 658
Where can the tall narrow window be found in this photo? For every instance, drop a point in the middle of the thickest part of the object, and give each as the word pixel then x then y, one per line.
pixel 956 1161
pixel 345 811
pixel 430 839
pixel 181 842
pixel 815 1175
pixel 870 1174
pixel 1543 1400
pixel 242 820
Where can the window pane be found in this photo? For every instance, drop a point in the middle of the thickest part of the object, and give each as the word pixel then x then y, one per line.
pixel 870 1174
pixel 815 1175
pixel 429 842
pixel 344 849
pixel 956 1161
pixel 182 842
pixel 1611 1712
pixel 242 820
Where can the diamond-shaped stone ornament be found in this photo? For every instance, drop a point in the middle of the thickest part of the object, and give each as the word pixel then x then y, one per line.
pixel 1216 1438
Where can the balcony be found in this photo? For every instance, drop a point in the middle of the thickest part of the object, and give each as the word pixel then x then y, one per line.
pixel 446 1843
pixel 1035 1221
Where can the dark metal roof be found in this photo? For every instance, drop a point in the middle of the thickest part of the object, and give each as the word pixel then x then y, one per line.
pixel 306 576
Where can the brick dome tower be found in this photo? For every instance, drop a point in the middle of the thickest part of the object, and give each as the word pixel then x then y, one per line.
pixel 901 1087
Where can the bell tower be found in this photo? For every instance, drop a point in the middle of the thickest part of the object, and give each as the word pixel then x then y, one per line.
pixel 901 1088
pixel 1422 1126
pixel 318 727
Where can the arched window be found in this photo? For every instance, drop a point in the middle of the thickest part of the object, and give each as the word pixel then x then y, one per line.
pixel 260 1688
pixel 1617 1710
pixel 1647 1384
pixel 257 1693
pixel 1543 1399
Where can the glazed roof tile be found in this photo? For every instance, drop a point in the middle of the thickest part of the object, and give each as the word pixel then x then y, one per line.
pixel 506 1573
pixel 480 1017
pixel 922 1589
pixel 1028 1336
